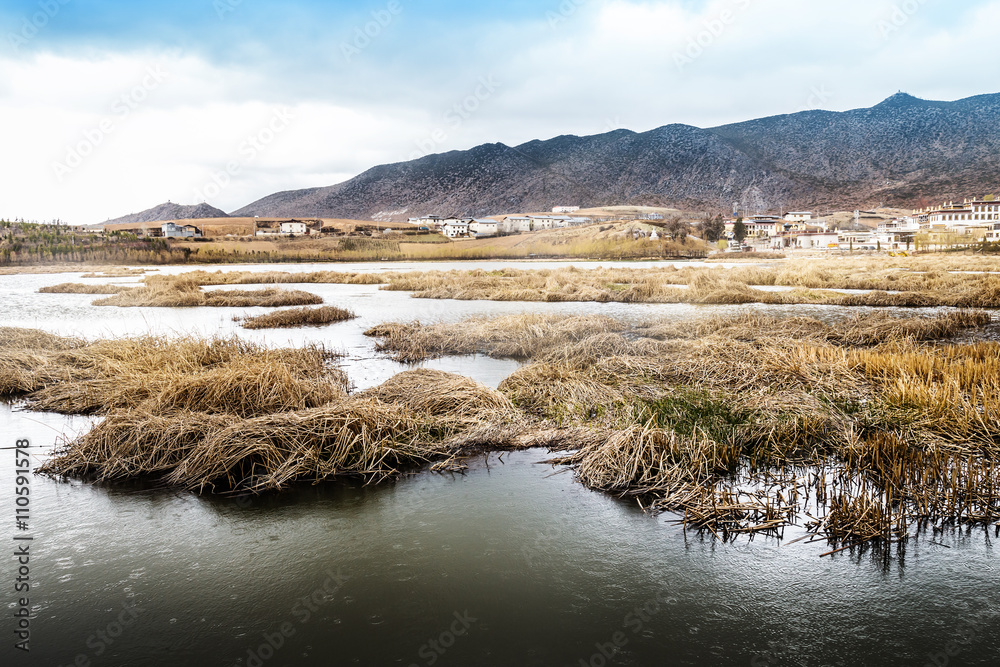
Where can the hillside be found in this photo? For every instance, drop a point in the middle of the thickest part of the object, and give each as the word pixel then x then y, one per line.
pixel 903 152
pixel 169 211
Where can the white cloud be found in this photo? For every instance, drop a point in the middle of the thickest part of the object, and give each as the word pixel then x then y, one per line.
pixel 605 65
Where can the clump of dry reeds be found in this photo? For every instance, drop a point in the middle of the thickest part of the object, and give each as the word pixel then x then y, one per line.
pixel 220 375
pixel 115 272
pixel 222 453
pixel 415 418
pixel 703 416
pixel 25 356
pixel 442 395
pixel 515 336
pixel 179 293
pixel 78 288
pixel 296 317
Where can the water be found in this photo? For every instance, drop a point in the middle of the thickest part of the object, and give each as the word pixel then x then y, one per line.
pixel 513 563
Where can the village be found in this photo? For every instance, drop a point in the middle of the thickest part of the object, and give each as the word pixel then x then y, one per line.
pixel 974 221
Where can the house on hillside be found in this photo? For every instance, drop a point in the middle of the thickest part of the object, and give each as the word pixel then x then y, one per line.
pixel 294 228
pixel 481 228
pixel 565 209
pixel 172 230
pixel 970 213
pixel 516 223
pixel 546 221
pixel 456 229
pixel 798 216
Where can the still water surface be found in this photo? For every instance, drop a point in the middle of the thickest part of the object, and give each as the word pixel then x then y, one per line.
pixel 513 563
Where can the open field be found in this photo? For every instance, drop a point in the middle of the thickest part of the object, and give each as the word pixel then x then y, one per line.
pixel 611 241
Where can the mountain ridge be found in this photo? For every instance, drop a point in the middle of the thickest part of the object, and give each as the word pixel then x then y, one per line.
pixel 169 211
pixel 903 152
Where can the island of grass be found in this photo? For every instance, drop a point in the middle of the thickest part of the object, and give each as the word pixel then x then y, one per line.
pixel 858 431
pixel 296 317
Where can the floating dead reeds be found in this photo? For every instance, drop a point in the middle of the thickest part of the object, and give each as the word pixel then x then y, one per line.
pixel 296 317
pixel 421 417
pixel 213 376
pixel 709 418
pixel 514 336
pixel 186 293
pixel 222 453
pixel 78 288
pixel 116 272
pixel 857 429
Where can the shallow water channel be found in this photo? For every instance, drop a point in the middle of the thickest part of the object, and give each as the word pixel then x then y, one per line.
pixel 513 563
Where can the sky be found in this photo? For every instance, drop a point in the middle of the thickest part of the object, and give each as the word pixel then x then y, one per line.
pixel 110 107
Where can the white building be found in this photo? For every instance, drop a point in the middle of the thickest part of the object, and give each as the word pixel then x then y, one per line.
pixel 456 229
pixel 428 221
pixel 566 209
pixel 171 230
pixel 817 240
pixel 480 228
pixel 516 223
pixel 798 216
pixel 993 233
pixel 546 221
pixel 857 240
pixel 970 213
pixel 294 228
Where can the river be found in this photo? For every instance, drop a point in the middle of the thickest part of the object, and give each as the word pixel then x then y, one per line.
pixel 512 563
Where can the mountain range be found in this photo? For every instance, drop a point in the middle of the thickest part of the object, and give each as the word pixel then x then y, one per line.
pixel 904 152
pixel 169 211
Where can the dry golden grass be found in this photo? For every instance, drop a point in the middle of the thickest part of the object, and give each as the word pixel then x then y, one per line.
pixel 115 272
pixel 221 375
pixel 180 293
pixel 699 415
pixel 516 336
pixel 416 418
pixel 296 317
pixel 733 423
pixel 77 288
pixel 206 278
pixel 810 282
